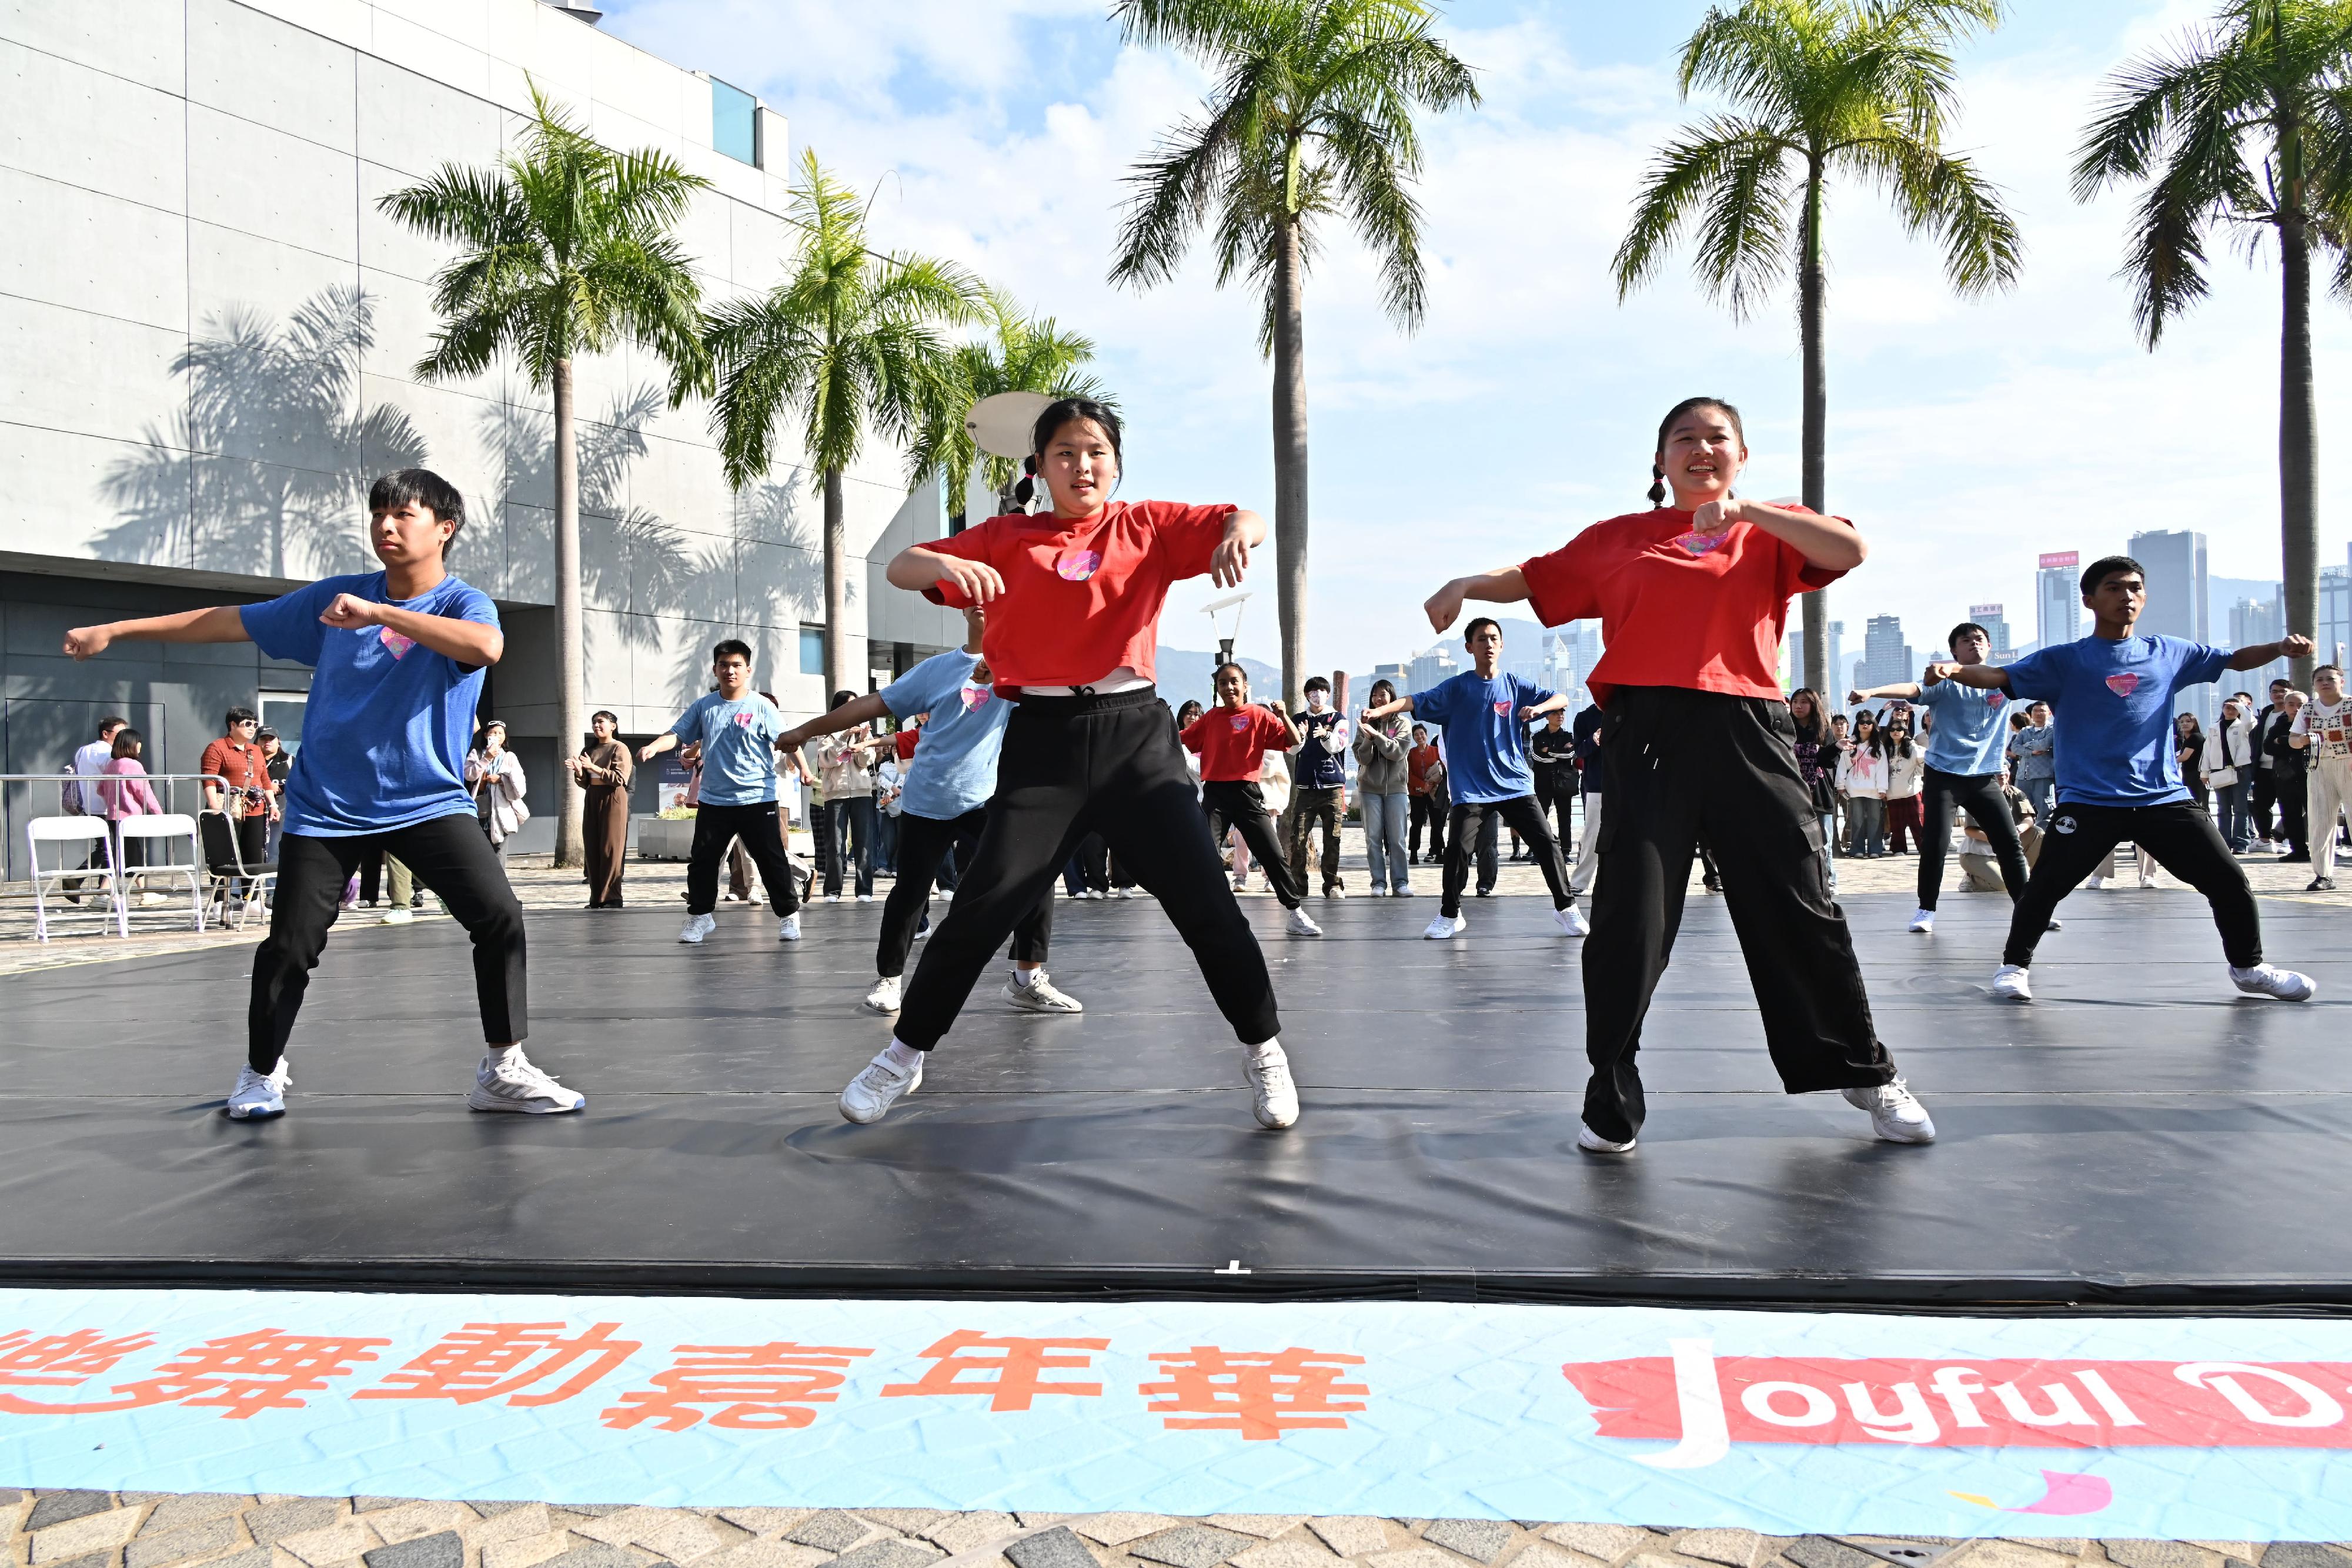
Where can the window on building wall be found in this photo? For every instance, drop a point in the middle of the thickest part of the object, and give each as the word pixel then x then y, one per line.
pixel 734 122
pixel 812 650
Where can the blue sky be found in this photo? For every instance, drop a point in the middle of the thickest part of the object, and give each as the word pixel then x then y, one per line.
pixel 1964 437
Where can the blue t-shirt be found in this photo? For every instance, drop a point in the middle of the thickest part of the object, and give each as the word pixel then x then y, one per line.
pixel 385 731
pixel 954 767
pixel 2114 702
pixel 1970 726
pixel 1486 744
pixel 738 747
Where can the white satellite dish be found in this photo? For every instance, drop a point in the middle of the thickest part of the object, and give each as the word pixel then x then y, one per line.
pixel 1000 426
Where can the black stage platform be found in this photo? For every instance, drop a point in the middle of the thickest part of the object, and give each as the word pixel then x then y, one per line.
pixel 2141 1135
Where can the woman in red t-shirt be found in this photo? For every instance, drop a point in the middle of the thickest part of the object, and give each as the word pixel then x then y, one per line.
pixel 1232 739
pixel 1692 599
pixel 1074 598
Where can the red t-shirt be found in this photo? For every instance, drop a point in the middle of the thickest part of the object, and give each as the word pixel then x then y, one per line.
pixel 1676 609
pixel 238 761
pixel 1081 597
pixel 1233 742
pixel 1418 762
pixel 907 738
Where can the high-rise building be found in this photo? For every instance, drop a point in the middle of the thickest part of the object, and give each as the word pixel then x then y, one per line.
pixel 2253 620
pixel 1430 668
pixel 1837 653
pixel 2058 598
pixel 2174 562
pixel 2335 638
pixel 1887 658
pixel 1996 624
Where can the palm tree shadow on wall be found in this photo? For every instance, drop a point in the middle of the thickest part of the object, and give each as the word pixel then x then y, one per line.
pixel 265 470
pixel 635 560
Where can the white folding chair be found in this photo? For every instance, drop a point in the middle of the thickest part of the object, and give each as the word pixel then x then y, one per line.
pixel 76 837
pixel 174 834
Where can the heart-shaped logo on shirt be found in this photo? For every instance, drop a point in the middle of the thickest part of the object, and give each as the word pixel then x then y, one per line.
pixel 1503 707
pixel 1697 543
pixel 744 719
pixel 1078 565
pixel 393 639
pixel 973 696
pixel 2122 685
pixel 1240 722
pixel 1994 699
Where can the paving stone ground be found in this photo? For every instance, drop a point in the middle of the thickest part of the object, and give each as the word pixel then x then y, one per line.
pixel 157 1530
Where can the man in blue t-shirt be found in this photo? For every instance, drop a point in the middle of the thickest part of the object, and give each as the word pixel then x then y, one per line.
pixel 740 732
pixel 1964 760
pixel 943 809
pixel 1485 714
pixel 399 655
pixel 2118 777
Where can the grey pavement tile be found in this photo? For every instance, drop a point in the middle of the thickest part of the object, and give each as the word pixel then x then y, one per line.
pixel 1611 1542
pixel 594 1510
pixel 2289 1554
pixel 907 1520
pixel 78 1537
pixel 596 1555
pixel 492 1509
pixel 1480 1540
pixel 274 1522
pixel 1731 1548
pixel 1350 1536
pixel 376 1504
pixel 193 1508
pixel 154 1551
pixel 94 1560
pixel 1119 1528
pixel 1547 1554
pixel 1056 1548
pixel 886 1553
pixel 133 1498
pixel 251 1557
pixel 1193 1546
pixel 57 1507
pixel 1818 1551
pixel 956 1534
pixel 441 1551
pixel 1300 1551
pixel 832 1531
pixel 2160 1554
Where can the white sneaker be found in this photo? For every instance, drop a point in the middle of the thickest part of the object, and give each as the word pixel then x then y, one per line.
pixel 1302 924
pixel 832 898
pixel 1379 891
pixel 1570 922
pixel 1894 1114
pixel 864 898
pixel 400 916
pixel 1592 1143
pixel 1041 996
pixel 1274 1098
pixel 2270 981
pixel 1923 920
pixel 1405 892
pixel 788 929
pixel 1335 893
pixel 2011 985
pixel 696 927
pixel 515 1084
pixel 2095 883
pixel 877 1088
pixel 1124 893
pixel 1444 927
pixel 258 1096
pixel 1241 884
pixel 883 996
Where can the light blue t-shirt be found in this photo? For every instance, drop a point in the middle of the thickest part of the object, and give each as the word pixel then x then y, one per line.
pixel 738 747
pixel 1970 726
pixel 385 731
pixel 1486 744
pixel 2114 702
pixel 954 767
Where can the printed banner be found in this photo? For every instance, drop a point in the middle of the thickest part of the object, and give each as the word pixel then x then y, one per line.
pixel 2227 1429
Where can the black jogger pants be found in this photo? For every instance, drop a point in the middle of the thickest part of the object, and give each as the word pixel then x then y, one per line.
pixel 924 844
pixel 1683 764
pixel 1239 804
pixel 1471 831
pixel 2184 842
pixel 763 835
pixel 1072 766
pixel 1977 794
pixel 447 854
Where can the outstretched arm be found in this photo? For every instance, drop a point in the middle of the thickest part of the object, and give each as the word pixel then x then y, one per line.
pixel 2291 647
pixel 917 569
pixel 666 741
pixel 1504 585
pixel 222 624
pixel 848 716
pixel 1551 703
pixel 1984 677
pixel 1908 690
pixel 470 642
pixel 1398 705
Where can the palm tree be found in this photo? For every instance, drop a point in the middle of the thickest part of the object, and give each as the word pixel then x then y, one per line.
pixel 1018 352
pixel 564 247
pixel 1861 88
pixel 850 343
pixel 2246 124
pixel 1312 115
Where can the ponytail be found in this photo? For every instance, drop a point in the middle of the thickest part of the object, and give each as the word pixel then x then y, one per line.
pixel 1028 485
pixel 1657 486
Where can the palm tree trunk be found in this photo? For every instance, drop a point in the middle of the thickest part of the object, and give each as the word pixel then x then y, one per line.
pixel 1290 460
pixel 1811 283
pixel 571 715
pixel 838 655
pixel 2298 433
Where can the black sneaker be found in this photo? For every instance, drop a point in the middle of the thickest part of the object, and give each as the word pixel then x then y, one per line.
pixel 2296 857
pixel 2320 884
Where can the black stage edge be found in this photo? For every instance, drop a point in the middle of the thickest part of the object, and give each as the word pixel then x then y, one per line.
pixel 2139 1138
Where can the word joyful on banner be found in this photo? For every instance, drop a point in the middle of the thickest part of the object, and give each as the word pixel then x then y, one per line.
pixel 2199 1428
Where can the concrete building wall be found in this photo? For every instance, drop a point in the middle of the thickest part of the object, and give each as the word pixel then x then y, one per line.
pixel 207 336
